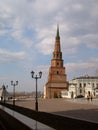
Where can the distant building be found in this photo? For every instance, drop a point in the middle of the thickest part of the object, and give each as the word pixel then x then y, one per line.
pixel 3 93
pixel 57 76
pixel 84 86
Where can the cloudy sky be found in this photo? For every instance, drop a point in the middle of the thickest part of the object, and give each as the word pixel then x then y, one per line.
pixel 27 37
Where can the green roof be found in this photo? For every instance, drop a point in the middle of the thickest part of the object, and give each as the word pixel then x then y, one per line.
pixel 57 35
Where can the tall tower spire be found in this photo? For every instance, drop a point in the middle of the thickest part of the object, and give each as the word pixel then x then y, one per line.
pixel 57 34
pixel 57 77
pixel 57 54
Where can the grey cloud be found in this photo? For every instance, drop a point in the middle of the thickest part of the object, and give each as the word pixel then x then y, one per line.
pixel 82 68
pixel 7 56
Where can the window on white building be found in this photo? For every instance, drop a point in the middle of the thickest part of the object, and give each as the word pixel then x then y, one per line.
pixel 84 84
pixel 80 87
pixel 97 85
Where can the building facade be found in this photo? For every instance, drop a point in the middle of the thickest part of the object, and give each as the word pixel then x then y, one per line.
pixel 82 86
pixel 57 77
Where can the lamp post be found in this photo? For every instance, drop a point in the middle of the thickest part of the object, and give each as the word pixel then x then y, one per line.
pixel 36 78
pixel 14 84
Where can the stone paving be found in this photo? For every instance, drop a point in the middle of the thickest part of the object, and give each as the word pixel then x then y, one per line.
pixel 75 108
pixel 84 101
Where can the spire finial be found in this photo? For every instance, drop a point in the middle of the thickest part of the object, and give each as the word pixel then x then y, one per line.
pixel 57 35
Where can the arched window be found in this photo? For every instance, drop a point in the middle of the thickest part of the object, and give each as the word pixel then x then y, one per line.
pixel 80 87
pixel 84 84
pixel 57 55
pixel 57 63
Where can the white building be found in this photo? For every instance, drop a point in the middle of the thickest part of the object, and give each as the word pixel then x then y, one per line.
pixel 85 85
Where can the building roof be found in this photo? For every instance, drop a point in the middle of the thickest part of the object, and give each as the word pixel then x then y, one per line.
pixel 86 77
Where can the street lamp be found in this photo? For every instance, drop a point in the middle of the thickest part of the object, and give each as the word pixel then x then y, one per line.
pixel 4 92
pixel 14 84
pixel 36 97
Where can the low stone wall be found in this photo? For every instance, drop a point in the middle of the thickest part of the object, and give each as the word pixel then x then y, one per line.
pixel 7 122
pixel 55 121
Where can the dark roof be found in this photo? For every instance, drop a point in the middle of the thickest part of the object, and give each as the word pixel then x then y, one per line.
pixel 86 77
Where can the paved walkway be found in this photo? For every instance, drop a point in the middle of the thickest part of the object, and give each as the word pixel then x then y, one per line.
pixel 84 101
pixel 77 108
pixel 85 111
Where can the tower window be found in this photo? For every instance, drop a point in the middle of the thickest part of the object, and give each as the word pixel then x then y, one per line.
pixel 57 72
pixel 57 63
